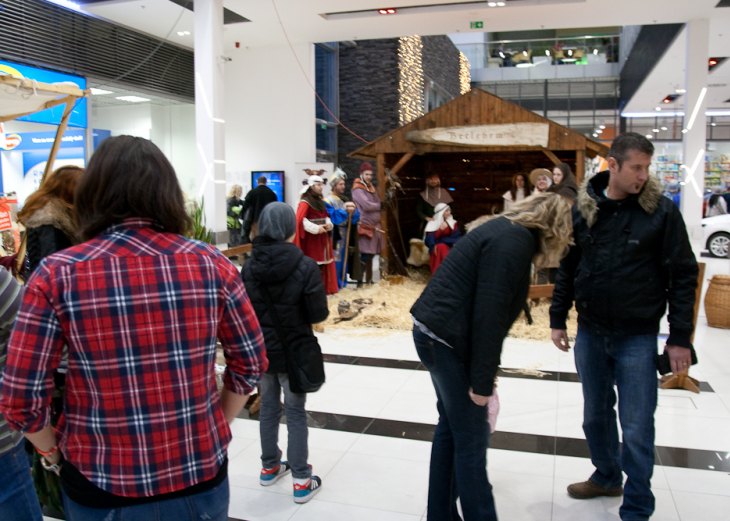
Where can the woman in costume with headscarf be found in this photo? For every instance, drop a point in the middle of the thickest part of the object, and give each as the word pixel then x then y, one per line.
pixel 340 208
pixel 370 230
pixel 541 179
pixel 441 234
pixel 313 223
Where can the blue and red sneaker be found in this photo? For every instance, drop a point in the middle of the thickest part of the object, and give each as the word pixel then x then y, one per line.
pixel 271 476
pixel 303 492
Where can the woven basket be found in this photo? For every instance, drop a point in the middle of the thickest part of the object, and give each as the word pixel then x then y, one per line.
pixel 717 302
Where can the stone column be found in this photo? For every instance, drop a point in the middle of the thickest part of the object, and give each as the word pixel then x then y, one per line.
pixel 209 123
pixel 695 125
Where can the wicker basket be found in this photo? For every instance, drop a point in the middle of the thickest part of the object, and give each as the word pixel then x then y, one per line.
pixel 717 302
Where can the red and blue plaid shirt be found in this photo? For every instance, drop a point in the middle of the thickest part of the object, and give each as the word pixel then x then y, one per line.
pixel 140 311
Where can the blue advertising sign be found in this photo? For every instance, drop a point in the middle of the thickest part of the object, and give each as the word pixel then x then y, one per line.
pixel 72 138
pixel 274 180
pixel 53 115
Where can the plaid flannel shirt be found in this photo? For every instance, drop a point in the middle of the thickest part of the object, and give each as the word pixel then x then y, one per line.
pixel 140 311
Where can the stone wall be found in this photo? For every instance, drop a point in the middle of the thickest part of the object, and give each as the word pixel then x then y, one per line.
pixel 441 63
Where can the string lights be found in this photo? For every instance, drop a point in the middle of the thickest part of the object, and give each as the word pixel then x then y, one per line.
pixel 464 74
pixel 410 84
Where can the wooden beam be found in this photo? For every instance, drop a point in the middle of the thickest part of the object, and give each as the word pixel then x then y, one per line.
pixel 552 156
pixel 57 142
pixel 401 163
pixel 237 250
pixel 382 179
pixel 47 105
pixel 541 291
pixel 580 166
pixel 29 84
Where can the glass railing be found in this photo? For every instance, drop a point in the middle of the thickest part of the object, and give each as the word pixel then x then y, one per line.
pixel 577 50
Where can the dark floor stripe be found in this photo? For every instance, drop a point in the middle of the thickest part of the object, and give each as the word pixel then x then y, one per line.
pixel 550 376
pixel 512 441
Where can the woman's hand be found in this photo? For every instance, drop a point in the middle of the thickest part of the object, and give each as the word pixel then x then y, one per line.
pixel 443 226
pixel 478 399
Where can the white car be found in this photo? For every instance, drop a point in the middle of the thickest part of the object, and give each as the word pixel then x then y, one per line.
pixel 717 234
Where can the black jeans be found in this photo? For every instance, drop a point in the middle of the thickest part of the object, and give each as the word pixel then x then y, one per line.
pixel 459 452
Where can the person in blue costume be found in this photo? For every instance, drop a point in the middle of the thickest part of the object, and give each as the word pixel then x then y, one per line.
pixel 339 209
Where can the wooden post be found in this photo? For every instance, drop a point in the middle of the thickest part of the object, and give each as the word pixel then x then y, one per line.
pixel 580 166
pixel 382 179
pixel 552 156
pixel 57 142
pixel 401 162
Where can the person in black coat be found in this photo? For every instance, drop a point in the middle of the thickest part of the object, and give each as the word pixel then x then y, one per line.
pixel 296 290
pixel 631 257
pixel 460 322
pixel 48 215
pixel 253 204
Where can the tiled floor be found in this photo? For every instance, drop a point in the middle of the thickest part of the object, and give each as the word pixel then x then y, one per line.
pixel 385 476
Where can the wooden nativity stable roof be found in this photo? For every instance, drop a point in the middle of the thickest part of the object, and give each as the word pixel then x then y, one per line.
pixel 476 108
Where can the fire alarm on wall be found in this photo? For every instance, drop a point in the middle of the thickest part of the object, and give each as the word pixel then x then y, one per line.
pixel 238 44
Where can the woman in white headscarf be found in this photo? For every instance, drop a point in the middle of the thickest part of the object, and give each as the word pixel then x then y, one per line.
pixel 441 234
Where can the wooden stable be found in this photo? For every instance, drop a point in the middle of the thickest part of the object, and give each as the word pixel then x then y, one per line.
pixel 476 143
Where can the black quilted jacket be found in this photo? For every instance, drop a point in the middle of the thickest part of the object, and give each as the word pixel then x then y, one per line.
pixel 297 291
pixel 477 293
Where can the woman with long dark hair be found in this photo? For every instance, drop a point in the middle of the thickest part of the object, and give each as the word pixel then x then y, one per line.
pixel 140 308
pixel 564 182
pixel 520 189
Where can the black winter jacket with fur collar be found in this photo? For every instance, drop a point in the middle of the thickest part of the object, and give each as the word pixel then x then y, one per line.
pixel 630 258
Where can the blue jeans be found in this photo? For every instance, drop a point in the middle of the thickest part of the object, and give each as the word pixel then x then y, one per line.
pixel 18 500
pixel 459 451
pixel 296 424
pixel 211 505
pixel 628 364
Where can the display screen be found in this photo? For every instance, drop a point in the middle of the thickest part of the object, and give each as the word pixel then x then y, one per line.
pixel 53 115
pixel 274 180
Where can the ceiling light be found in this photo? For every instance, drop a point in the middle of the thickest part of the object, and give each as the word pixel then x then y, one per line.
pixel 664 128
pixel 492 4
pixel 595 135
pixel 601 126
pixel 132 99
pixel 680 91
pixel 500 4
pixel 649 136
pixel 389 10
pixel 684 131
pixel 713 61
pixel 595 52
pixel 655 130
pixel 100 92
pixel 657 109
pixel 599 131
pixel 713 124
pixel 183 33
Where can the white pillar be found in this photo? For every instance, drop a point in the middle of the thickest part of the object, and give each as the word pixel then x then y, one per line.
pixel 695 123
pixel 209 123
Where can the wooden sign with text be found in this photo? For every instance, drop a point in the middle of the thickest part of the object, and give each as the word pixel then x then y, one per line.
pixel 508 135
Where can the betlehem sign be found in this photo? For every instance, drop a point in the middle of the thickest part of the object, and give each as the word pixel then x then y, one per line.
pixel 508 135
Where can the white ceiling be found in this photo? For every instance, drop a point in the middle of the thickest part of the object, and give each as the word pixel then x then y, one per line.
pixel 668 75
pixel 304 23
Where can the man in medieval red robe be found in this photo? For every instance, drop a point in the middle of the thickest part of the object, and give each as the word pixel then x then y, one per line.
pixel 313 223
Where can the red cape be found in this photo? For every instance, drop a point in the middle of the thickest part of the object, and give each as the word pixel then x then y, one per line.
pixel 311 245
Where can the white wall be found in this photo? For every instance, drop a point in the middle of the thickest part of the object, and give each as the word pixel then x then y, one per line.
pixel 172 128
pixel 270 112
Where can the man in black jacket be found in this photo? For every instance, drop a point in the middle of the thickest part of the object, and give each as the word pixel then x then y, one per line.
pixel 631 256
pixel 254 202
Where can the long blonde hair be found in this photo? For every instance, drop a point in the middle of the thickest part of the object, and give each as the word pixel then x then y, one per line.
pixel 235 190
pixel 548 213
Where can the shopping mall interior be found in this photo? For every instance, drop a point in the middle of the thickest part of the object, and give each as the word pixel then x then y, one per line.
pixel 230 90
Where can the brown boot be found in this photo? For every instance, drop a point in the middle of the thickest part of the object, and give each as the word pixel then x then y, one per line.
pixel 369 272
pixel 589 490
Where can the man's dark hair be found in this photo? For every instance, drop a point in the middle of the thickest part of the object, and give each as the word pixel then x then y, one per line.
pixel 626 142
pixel 129 177
pixel 261 180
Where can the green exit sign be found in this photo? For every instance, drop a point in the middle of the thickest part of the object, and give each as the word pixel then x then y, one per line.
pixel 477 25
